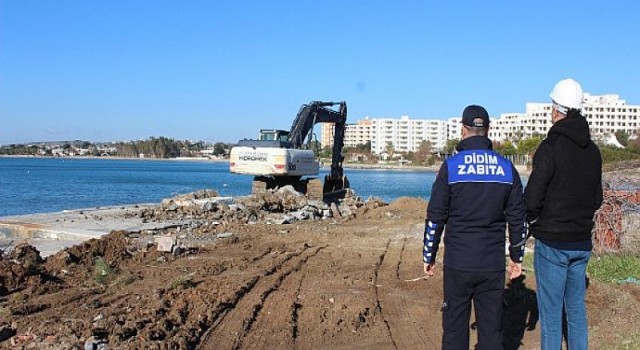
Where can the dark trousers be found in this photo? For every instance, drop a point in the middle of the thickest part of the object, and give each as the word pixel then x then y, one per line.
pixel 485 289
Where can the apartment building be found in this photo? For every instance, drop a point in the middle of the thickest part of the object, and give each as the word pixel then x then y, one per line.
pixel 358 133
pixel 606 115
pixel 454 131
pixel 405 134
pixel 354 134
pixel 327 130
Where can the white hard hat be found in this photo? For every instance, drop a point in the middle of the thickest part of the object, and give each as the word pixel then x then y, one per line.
pixel 567 93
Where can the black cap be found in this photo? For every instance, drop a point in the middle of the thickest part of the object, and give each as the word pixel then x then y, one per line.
pixel 474 112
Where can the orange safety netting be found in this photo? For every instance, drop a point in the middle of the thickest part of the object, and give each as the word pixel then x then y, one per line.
pixel 608 219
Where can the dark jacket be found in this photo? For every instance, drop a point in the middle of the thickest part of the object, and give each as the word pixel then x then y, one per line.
pixel 475 194
pixel 565 186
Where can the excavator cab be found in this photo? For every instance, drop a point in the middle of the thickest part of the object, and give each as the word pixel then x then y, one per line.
pixel 274 135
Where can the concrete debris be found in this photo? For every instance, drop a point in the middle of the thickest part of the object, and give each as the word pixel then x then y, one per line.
pixel 335 211
pixel 318 205
pixel 93 343
pixel 288 189
pixel 280 206
pixel 178 225
pixel 165 243
pixel 224 235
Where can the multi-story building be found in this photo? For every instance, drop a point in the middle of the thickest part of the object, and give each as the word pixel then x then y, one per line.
pixel 404 134
pixel 358 133
pixel 354 134
pixel 606 115
pixel 411 133
pixel 453 128
pixel 327 134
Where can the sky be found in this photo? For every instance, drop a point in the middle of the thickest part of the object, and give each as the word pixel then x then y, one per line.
pixel 221 70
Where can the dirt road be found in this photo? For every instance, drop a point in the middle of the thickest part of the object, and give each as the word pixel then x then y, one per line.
pixel 331 284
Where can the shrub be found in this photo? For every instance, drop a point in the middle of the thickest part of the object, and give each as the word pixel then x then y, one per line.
pixel 102 270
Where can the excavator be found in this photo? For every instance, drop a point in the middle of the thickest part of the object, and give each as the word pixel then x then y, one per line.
pixel 280 157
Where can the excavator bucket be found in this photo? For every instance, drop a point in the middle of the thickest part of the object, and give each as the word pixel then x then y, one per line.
pixel 335 187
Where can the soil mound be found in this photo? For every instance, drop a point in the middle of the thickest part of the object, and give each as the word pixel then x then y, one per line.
pixel 112 248
pixel 409 203
pixel 18 267
pixel 401 208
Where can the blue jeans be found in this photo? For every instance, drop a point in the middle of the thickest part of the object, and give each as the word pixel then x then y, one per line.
pixel 561 281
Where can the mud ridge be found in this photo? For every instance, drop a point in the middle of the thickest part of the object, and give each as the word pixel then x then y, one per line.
pixel 378 304
pixel 263 297
pixel 221 311
pixel 404 244
pixel 244 327
pixel 295 309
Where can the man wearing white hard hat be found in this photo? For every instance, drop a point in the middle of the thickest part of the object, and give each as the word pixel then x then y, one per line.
pixel 563 192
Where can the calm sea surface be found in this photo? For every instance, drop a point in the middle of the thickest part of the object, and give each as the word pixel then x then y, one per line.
pixel 39 185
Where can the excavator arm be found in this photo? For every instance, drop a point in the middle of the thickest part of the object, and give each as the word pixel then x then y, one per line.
pixel 319 112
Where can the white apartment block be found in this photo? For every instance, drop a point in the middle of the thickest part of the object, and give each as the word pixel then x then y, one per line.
pixel 606 114
pixel 404 134
pixel 454 131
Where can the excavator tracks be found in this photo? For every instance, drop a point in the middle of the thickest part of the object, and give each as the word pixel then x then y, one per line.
pixel 258 186
pixel 314 189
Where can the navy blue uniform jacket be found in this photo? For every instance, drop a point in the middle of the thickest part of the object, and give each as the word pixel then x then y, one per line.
pixel 476 193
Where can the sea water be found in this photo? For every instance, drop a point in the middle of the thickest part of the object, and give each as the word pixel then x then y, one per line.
pixel 38 185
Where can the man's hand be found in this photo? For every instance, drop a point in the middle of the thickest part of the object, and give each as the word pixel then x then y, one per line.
pixel 515 269
pixel 429 268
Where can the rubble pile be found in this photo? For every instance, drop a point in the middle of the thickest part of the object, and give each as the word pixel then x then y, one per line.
pixel 280 206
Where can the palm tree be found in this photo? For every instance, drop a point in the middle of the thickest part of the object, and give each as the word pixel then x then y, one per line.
pixel 389 149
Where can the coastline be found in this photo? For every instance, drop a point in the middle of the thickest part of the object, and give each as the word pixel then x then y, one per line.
pixel 433 168
pixel 190 159
pixel 522 169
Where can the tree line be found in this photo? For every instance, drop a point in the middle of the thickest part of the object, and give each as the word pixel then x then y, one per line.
pixel 163 148
pixel 160 148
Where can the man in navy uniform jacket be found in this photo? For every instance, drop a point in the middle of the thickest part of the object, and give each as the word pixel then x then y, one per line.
pixel 476 193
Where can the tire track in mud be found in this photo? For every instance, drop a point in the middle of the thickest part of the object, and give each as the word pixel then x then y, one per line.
pixel 33 308
pixel 404 244
pixel 276 327
pixel 233 320
pixel 377 288
pixel 295 312
pixel 396 299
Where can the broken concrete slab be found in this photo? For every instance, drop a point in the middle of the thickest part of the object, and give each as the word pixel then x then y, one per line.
pixel 196 215
pixel 165 243
pixel 52 232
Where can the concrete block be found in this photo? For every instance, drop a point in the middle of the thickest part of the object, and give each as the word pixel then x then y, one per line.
pixel 165 243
